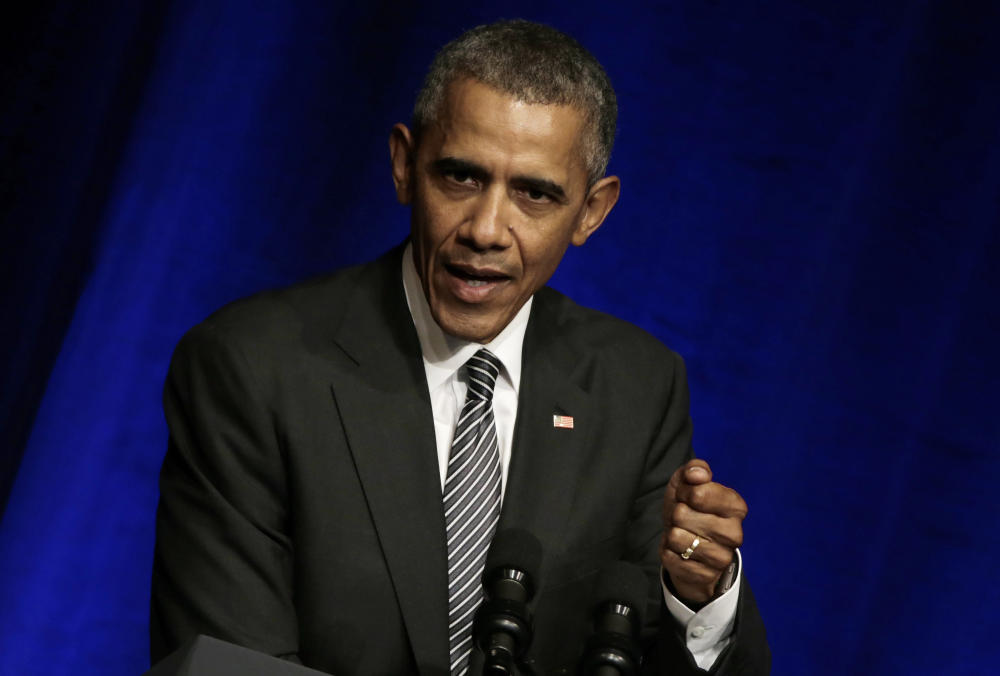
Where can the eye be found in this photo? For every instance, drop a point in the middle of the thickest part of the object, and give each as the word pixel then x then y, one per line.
pixel 537 195
pixel 460 176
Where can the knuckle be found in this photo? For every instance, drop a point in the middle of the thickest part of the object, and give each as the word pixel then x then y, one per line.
pixel 676 537
pixel 732 534
pixel 720 558
pixel 704 497
pixel 733 501
pixel 700 496
pixel 741 507
pixel 680 513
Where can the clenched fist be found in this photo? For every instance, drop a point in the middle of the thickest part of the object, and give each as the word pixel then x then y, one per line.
pixel 695 507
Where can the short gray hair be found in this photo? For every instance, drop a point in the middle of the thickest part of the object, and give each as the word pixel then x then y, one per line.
pixel 535 64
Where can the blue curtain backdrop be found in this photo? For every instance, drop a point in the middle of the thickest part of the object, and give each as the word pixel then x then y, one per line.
pixel 810 207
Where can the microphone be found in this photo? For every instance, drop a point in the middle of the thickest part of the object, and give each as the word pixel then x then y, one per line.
pixel 621 594
pixel 502 626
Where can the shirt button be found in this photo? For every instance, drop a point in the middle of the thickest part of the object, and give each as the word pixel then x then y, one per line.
pixel 697 632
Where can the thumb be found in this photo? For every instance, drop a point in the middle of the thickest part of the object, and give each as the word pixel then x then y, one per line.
pixel 694 472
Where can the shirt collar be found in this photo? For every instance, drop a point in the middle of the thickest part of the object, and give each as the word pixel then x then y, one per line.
pixel 444 354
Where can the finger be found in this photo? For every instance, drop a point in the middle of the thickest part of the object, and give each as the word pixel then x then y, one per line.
pixel 697 471
pixel 692 580
pixel 702 550
pixel 694 471
pixel 726 531
pixel 713 498
pixel 688 570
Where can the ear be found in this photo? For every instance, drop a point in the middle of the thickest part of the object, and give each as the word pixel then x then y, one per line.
pixel 403 154
pixel 601 197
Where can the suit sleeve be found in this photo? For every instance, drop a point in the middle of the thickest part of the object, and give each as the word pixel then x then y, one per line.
pixel 665 650
pixel 223 558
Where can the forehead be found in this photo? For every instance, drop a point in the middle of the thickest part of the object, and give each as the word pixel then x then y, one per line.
pixel 479 123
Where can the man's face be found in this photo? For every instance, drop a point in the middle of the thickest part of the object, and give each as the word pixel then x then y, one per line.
pixel 498 190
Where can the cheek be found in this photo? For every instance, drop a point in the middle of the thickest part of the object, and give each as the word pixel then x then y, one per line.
pixel 542 251
pixel 438 222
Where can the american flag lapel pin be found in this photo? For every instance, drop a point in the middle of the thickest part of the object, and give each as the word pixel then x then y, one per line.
pixel 562 421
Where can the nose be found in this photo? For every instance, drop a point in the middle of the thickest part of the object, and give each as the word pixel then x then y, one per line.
pixel 487 225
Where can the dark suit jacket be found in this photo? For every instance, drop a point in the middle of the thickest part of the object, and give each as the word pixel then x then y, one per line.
pixel 300 510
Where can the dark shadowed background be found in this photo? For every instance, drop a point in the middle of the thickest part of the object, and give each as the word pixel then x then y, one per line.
pixel 810 215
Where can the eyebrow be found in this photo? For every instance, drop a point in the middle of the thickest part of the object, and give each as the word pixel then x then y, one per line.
pixel 543 185
pixel 446 165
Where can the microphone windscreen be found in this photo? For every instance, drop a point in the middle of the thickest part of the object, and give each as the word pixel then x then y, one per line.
pixel 624 583
pixel 515 548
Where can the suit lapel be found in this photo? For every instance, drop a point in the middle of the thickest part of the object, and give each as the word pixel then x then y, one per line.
pixel 387 417
pixel 546 460
pixel 386 412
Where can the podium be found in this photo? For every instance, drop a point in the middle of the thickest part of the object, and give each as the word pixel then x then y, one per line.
pixel 207 656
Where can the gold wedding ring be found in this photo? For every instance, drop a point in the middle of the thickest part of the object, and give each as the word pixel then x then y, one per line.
pixel 690 550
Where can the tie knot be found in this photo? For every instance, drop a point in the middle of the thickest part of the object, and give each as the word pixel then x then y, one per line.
pixel 483 369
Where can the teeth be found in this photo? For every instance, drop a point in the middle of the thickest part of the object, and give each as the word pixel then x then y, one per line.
pixel 475 282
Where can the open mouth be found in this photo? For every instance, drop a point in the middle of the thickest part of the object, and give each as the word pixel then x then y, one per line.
pixel 474 285
pixel 474 277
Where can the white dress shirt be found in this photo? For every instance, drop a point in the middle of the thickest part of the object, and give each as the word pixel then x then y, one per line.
pixel 708 631
pixel 444 357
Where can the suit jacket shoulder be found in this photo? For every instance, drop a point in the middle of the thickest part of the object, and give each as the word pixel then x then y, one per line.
pixel 311 309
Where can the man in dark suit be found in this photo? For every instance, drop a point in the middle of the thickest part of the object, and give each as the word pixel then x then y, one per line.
pixel 314 430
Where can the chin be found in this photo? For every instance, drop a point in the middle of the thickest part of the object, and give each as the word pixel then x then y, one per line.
pixel 472 329
pixel 472 334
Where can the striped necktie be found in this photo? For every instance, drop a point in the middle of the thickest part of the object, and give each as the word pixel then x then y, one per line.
pixel 471 504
